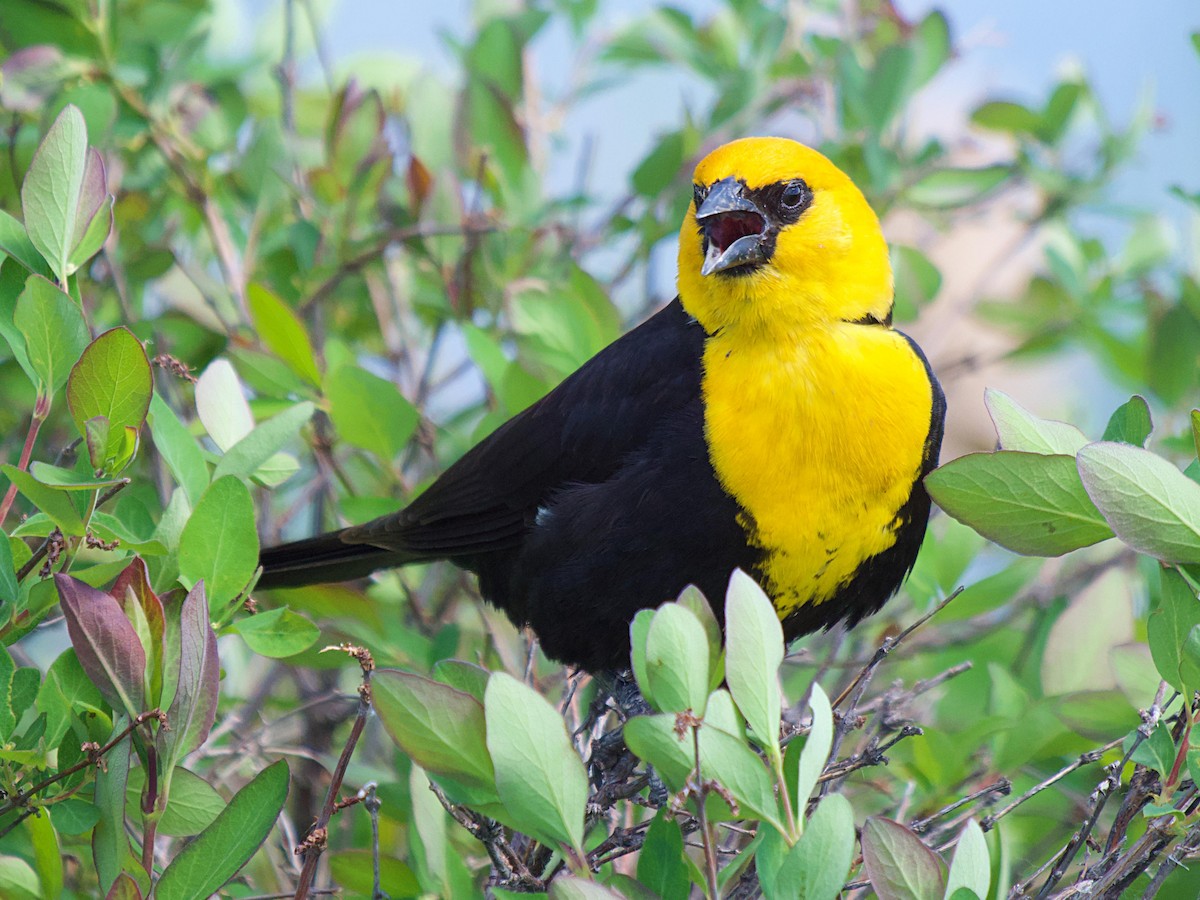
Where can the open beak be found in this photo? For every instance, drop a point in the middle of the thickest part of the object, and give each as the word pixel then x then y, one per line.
pixel 734 228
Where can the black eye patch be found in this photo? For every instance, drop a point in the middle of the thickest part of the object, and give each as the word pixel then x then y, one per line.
pixel 785 201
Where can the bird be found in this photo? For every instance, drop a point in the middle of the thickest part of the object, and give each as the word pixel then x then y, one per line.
pixel 770 418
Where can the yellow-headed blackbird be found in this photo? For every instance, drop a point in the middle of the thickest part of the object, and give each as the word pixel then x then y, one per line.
pixel 770 418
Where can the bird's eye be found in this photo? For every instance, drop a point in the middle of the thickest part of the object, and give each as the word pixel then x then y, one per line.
pixel 793 194
pixel 699 192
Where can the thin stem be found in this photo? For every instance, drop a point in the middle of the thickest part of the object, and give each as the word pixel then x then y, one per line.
pixel 315 843
pixel 92 757
pixel 710 855
pixel 40 410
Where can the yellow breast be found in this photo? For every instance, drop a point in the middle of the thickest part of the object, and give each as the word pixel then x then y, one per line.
pixel 820 440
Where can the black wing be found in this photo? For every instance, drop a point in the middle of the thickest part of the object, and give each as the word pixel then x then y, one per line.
pixel 579 433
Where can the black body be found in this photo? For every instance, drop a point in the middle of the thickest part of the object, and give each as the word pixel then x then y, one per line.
pixel 595 502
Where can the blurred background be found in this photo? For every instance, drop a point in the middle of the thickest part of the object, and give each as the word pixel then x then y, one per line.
pixel 420 217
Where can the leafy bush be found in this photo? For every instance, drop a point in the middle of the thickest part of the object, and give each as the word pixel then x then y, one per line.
pixel 369 276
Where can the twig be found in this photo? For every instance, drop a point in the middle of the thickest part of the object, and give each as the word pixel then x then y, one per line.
pixel 710 856
pixel 1001 787
pixel 1085 759
pixel 315 842
pixel 890 644
pixel 1103 792
pixel 41 409
pixel 1188 846
pixel 92 756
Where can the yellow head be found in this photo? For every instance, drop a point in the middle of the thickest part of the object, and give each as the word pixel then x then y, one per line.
pixel 778 240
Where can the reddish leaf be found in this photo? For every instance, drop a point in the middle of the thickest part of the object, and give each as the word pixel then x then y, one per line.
pixel 105 642
pixel 133 586
pixel 899 866
pixel 124 888
pixel 194 707
pixel 420 183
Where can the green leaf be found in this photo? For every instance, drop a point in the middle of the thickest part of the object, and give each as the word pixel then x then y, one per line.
pixel 8 716
pixel 1130 423
pixel 1002 115
pixel 817 865
pixel 1027 502
pixel 370 412
pixel 691 599
pixel 816 748
pixel 1151 505
pixel 277 633
pixel 463 676
pixel 73 816
pixel 1172 352
pixel 949 188
pixel 653 739
pixel 1157 752
pixel 917 280
pixel 568 887
pixel 111 379
pixel 1097 619
pixel 727 759
pixel 898 865
pixel 192 806
pixel 47 855
pixel 9 588
pixel 221 405
pixel 639 630
pixel 441 728
pixel 65 690
pixel 226 845
pixel 352 872
pixel 1168 629
pixel 539 775
pixel 254 450
pixel 661 166
pixel 677 661
pixel 753 654
pixel 887 86
pixel 971 867
pixel 278 326
pixel 54 503
pixel 178 450
pixel 53 189
pixel 1019 429
pixel 110 842
pixel 219 543
pixel 660 865
pixel 15 242
pixel 18 880
pixel 931 46
pixel 54 331
pixel 68 479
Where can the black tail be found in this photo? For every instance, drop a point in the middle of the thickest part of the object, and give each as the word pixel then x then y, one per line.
pixel 323 559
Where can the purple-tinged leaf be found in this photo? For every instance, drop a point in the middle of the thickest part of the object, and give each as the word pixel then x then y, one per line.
pixel 31 76
pixel 898 865
pixel 105 642
pixel 124 888
pixel 92 192
pixel 143 608
pixel 194 707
